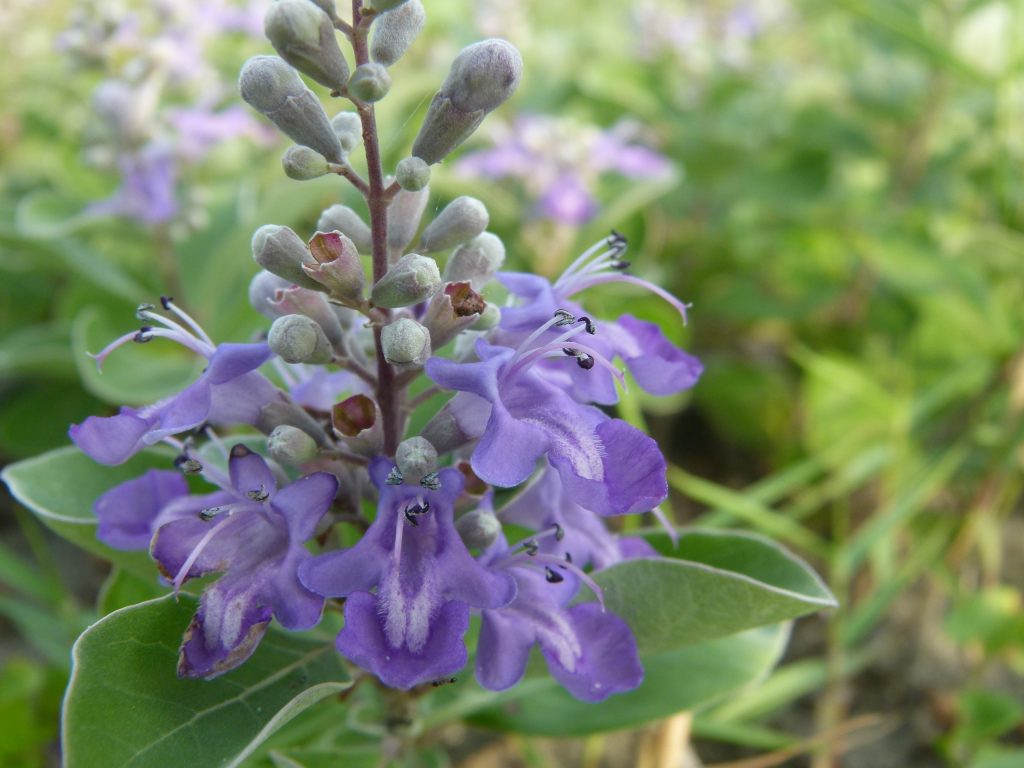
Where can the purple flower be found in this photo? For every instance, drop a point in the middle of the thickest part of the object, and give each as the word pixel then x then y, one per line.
pixel 410 631
pixel 658 366
pixel 590 651
pixel 147 191
pixel 200 128
pixel 253 533
pixel 229 391
pixel 131 512
pixel 520 416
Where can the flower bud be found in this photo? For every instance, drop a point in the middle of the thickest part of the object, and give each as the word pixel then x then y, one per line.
pixel 385 5
pixel 274 89
pixel 284 411
pixel 406 344
pixel 303 35
pixel 412 279
pixel 357 422
pixel 482 77
pixel 489 318
pixel 394 32
pixel 299 339
pixel 314 305
pixel 476 261
pixel 451 311
pixel 415 458
pixel 289 445
pixel 404 216
pixel 462 219
pixel 328 7
pixel 349 130
pixel 478 529
pixel 412 174
pixel 370 82
pixel 341 218
pixel 262 288
pixel 446 432
pixel 337 266
pixel 302 163
pixel 279 250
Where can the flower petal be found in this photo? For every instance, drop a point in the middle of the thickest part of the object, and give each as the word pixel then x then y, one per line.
pixel 111 439
pixel 250 473
pixel 503 650
pixel 127 512
pixel 304 502
pixel 233 360
pixel 658 365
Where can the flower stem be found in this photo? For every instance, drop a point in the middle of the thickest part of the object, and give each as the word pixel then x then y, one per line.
pixel 377 200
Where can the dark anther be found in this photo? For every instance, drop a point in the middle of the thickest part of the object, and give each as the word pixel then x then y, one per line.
pixel 568 557
pixel 414 510
pixel 617 240
pixel 165 301
pixel 431 482
pixel 259 494
pixel 622 265
pixel 570 352
pixel 443 681
pixel 585 361
pixel 209 513
pixel 395 477
pixel 141 309
pixel 187 464
pixel 238 451
pixel 565 317
pixel 591 328
pixel 144 334
pixel 552 577
pixel 532 547
pixel 559 532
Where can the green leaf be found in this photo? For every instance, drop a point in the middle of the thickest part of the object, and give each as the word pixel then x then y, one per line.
pixel 715 584
pixel 123 588
pixel 125 705
pixel 60 488
pixel 674 681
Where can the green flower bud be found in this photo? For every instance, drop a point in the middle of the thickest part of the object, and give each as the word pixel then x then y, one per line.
pixel 478 529
pixel 303 35
pixel 395 31
pixel 341 218
pixel 412 279
pixel 412 174
pixel 349 130
pixel 279 250
pixel 299 339
pixel 314 305
pixel 489 318
pixel 303 164
pixel 328 7
pixel 415 458
pixel 370 82
pixel 337 265
pixel 404 216
pixel 446 432
pixel 406 344
pixel 476 261
pixel 482 77
pixel 262 289
pixel 451 311
pixel 290 445
pixel 274 89
pixel 462 219
pixel 385 5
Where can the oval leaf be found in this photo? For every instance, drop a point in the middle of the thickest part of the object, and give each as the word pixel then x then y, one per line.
pixel 716 584
pixel 125 705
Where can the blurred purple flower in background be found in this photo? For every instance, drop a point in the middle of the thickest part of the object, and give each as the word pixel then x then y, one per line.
pixel 560 162
pixel 161 107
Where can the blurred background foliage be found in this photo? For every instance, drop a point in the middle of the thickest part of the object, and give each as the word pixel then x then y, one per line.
pixel 844 209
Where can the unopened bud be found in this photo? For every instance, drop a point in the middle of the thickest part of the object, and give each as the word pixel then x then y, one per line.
pixel 299 339
pixel 489 318
pixel 279 250
pixel 370 82
pixel 404 216
pixel 349 130
pixel 412 279
pixel 476 261
pixel 337 266
pixel 412 174
pixel 449 430
pixel 341 218
pixel 385 5
pixel 478 529
pixel 406 344
pixel 415 458
pixel 274 89
pixel 462 219
pixel 451 311
pixel 482 77
pixel 312 304
pixel 289 445
pixel 302 163
pixel 303 35
pixel 395 30
pixel 262 288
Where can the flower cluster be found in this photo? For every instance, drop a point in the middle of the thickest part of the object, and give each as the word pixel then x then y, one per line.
pixel 330 390
pixel 161 106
